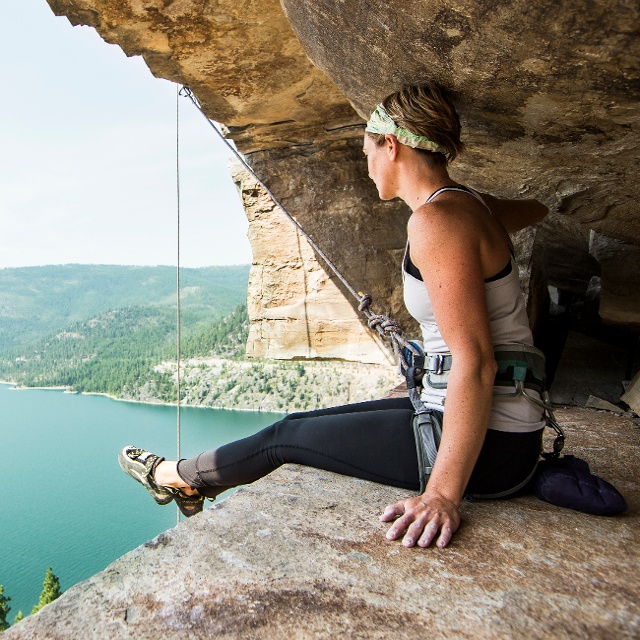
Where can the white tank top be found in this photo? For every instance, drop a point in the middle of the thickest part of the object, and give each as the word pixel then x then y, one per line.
pixel 508 324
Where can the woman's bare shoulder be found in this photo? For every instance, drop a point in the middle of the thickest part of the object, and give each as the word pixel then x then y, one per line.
pixel 441 220
pixel 443 243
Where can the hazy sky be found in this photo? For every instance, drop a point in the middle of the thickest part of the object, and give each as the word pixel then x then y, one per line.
pixel 88 160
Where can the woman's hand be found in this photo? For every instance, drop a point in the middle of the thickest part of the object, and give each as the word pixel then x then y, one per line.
pixel 421 518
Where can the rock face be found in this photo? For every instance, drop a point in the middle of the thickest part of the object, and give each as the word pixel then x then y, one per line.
pixel 547 93
pixel 298 307
pixel 279 560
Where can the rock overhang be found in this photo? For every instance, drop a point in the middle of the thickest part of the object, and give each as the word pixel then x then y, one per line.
pixel 548 95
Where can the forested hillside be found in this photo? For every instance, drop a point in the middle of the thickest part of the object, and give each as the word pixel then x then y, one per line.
pixel 113 330
pixel 103 328
pixel 116 351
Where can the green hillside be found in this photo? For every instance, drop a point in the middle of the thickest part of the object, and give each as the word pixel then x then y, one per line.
pixel 116 351
pixel 39 301
pixel 104 328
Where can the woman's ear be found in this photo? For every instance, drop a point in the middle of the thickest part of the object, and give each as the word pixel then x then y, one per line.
pixel 391 146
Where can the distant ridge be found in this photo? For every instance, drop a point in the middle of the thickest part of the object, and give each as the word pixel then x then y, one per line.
pixel 38 301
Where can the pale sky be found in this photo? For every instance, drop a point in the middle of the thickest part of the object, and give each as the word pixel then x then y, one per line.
pixel 88 156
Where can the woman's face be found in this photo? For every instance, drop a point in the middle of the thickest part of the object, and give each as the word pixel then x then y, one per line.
pixel 378 164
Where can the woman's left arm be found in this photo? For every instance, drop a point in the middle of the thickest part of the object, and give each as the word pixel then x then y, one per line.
pixel 445 247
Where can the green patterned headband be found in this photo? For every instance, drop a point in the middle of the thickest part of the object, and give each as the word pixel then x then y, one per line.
pixel 381 122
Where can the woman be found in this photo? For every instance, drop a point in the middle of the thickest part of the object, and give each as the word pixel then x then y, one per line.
pixel 461 284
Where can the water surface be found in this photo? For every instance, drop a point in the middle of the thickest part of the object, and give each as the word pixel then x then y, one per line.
pixel 64 502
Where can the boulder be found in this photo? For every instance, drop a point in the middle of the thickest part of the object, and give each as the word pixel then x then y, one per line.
pixel 620 281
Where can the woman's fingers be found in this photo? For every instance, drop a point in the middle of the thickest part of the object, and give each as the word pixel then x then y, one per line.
pixel 411 517
pixel 414 532
pixel 418 522
pixel 429 533
pixel 392 511
pixel 398 528
pixel 446 534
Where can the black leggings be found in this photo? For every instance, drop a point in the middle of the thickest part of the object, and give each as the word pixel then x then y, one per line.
pixel 369 440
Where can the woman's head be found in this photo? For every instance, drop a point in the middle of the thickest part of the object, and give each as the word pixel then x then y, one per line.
pixel 420 116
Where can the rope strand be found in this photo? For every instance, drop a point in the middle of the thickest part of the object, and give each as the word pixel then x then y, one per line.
pixel 178 314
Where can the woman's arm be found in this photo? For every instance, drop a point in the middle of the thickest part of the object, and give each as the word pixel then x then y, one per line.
pixel 445 246
pixel 516 214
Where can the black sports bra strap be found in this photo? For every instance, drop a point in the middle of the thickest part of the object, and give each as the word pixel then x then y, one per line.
pixel 436 193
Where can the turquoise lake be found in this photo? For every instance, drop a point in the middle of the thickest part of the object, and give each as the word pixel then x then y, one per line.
pixel 65 503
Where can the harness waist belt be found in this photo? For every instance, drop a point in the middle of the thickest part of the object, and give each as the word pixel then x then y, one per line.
pixel 437 363
pixel 516 363
pixel 520 363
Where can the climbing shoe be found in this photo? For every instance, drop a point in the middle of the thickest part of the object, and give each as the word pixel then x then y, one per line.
pixel 188 505
pixel 140 465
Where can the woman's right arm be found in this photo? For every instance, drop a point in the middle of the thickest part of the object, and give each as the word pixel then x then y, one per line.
pixel 516 214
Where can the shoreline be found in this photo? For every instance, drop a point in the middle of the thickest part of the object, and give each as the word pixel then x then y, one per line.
pixel 256 387
pixel 17 387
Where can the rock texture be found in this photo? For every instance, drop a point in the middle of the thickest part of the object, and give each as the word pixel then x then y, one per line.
pixel 548 95
pixel 301 554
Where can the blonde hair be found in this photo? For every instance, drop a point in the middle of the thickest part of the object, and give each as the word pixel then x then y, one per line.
pixel 426 110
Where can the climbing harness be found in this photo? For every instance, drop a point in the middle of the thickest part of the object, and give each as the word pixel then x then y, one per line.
pixel 520 366
pixel 523 366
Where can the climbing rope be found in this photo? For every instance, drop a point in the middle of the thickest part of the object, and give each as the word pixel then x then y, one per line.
pixel 386 327
pixel 178 314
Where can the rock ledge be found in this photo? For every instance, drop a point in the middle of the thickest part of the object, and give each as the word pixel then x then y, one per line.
pixel 301 554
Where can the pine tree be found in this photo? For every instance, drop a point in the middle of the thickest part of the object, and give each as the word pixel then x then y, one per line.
pixel 18 617
pixel 4 610
pixel 50 590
